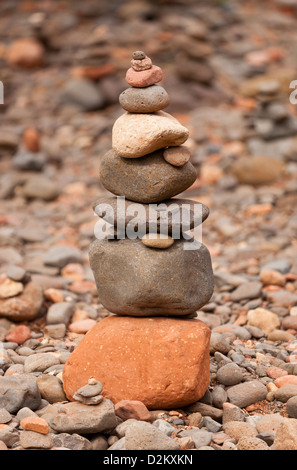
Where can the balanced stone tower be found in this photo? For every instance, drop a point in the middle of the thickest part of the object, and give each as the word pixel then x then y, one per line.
pixel 150 272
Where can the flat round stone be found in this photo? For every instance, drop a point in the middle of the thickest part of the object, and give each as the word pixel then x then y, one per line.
pixel 157 240
pixel 177 215
pixel 147 180
pixel 144 77
pixel 177 156
pixel 144 100
pixel 136 135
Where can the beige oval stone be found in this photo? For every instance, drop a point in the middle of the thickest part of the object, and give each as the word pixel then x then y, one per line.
pixel 272 277
pixel 141 64
pixel 177 156
pixel 157 240
pixel 257 170
pixel 136 135
pixel 264 319
pixel 286 380
pixel 10 288
pixel 162 362
pixel 24 307
pixel 286 435
pixel 26 52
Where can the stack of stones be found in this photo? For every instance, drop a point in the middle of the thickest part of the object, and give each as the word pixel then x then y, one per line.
pixel 150 274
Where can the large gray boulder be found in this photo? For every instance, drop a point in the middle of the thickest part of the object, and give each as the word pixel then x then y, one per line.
pixel 133 279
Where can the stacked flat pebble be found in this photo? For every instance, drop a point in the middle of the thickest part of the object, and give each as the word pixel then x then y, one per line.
pixel 153 280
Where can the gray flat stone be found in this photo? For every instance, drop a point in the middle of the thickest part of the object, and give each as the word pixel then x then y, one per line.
pixel 74 417
pixel 145 436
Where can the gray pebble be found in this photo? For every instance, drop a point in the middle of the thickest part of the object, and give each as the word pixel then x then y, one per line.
pixel 232 414
pixel 211 425
pixel 292 407
pixel 121 428
pixel 164 426
pixel 25 413
pixel 138 55
pixel 266 437
pixel 144 100
pixel 99 442
pixel 248 290
pixel 146 436
pixel 119 445
pixel 39 362
pixel 200 437
pixel 247 393
pixel 55 331
pixel 229 374
pixel 5 416
pixel 60 312
pixel 24 351
pixel 218 343
pixel 82 93
pixel 286 392
pixel 283 266
pixel 29 161
pixel 72 441
pixel 40 187
pixel 219 396
pixel 59 255
pixel 16 273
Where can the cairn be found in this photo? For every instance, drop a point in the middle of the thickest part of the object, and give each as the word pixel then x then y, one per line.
pixel 150 273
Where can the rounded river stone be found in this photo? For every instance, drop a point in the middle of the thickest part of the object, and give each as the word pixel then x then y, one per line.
pixel 135 280
pixel 144 100
pixel 148 179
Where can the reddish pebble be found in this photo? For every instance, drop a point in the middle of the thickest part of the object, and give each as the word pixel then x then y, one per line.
pixel 292 358
pixel 93 72
pixel 82 287
pixel 272 277
pixel 228 405
pixel 31 139
pixel 82 326
pixel 132 409
pixel 276 372
pixel 26 52
pixel 35 424
pixel 19 334
pixel 145 77
pixel 73 271
pixel 286 380
pixel 54 295
pixel 291 331
pixel 271 288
